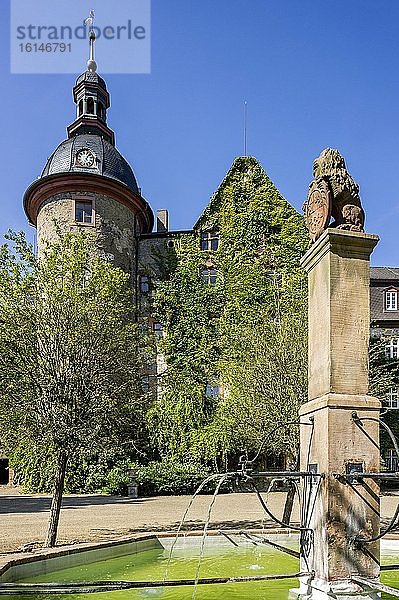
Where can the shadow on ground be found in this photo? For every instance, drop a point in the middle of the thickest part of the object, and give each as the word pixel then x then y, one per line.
pixel 32 504
pixel 199 525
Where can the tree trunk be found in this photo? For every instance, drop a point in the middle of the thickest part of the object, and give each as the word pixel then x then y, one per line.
pixel 57 500
pixel 289 501
pixel 289 504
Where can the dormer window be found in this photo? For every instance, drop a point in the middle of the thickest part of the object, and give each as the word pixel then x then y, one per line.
pixel 391 300
pixel 209 240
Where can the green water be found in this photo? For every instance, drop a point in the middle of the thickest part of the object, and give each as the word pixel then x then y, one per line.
pixel 219 560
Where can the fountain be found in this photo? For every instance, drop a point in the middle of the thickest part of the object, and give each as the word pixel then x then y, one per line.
pixel 346 511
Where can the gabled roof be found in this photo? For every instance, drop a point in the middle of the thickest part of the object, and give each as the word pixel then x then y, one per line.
pixel 384 273
pixel 242 167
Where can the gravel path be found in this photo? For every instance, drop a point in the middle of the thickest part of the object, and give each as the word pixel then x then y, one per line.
pixel 23 518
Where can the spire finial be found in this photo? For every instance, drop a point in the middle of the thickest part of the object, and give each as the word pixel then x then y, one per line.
pixel 91 63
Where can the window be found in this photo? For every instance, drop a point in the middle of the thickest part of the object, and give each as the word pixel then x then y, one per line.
pixel 145 384
pixel 391 461
pixel 209 240
pixel 212 391
pixel 80 107
pixel 84 212
pixel 90 106
pixel 392 348
pixel 209 275
pixel 100 111
pixel 391 300
pixel 144 284
pixel 262 244
pixel 392 400
pixel 158 329
pixel 275 278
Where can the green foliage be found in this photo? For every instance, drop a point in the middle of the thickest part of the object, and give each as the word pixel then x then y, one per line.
pixel 384 371
pixel 34 467
pixel 267 378
pixel 212 330
pixel 108 474
pixel 70 360
pixel 384 376
pixel 245 333
pixel 105 472
pixel 170 477
pixel 117 479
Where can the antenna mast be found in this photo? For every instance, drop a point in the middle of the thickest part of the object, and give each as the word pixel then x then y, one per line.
pixel 245 128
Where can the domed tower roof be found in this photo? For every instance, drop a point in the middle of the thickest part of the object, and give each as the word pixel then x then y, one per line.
pixel 91 77
pixel 108 161
pixel 88 159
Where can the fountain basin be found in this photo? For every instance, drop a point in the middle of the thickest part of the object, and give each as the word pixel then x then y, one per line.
pixel 145 558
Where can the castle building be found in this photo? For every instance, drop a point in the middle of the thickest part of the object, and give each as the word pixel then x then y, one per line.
pixel 87 185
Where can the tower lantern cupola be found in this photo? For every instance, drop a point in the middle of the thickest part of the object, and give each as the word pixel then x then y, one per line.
pixel 92 101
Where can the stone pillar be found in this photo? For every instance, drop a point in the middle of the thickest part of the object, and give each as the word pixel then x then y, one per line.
pixel 339 329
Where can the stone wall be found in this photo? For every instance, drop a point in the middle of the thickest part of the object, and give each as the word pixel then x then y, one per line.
pixel 113 229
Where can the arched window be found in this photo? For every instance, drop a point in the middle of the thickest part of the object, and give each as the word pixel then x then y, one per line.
pixel 80 108
pixel 90 106
pixel 101 111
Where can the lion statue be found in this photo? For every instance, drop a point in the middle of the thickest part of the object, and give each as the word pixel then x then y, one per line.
pixel 342 192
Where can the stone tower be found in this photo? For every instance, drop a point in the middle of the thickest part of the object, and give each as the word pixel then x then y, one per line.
pixel 87 184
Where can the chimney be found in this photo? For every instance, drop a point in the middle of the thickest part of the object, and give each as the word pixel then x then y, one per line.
pixel 162 220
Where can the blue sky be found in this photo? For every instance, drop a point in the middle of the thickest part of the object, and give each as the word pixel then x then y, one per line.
pixel 314 73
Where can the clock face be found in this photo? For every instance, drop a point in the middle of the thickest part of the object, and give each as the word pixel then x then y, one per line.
pixel 85 158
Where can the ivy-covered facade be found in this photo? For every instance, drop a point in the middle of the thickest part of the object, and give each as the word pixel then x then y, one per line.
pixel 204 292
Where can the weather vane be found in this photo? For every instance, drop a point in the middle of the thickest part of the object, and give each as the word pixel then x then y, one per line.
pixel 90 19
pixel 91 63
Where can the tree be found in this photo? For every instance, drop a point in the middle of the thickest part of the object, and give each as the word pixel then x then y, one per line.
pixel 266 374
pixel 70 355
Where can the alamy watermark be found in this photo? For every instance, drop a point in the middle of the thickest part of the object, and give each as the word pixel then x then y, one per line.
pixel 52 37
